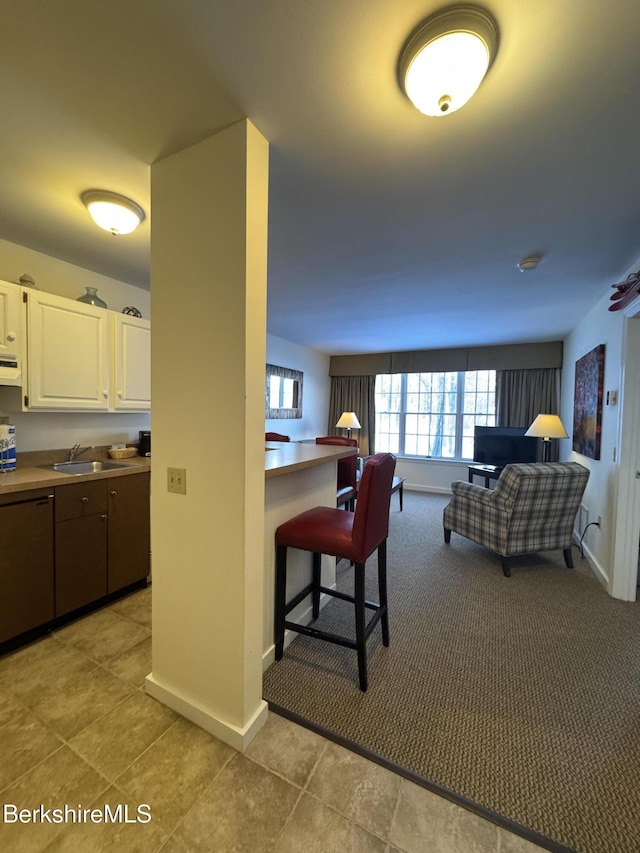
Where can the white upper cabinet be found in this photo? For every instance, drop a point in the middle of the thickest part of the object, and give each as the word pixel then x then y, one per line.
pixel 68 365
pixel 132 363
pixel 10 334
pixel 76 357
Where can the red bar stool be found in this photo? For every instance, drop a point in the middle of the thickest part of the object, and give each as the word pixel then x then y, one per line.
pixel 347 471
pixel 352 535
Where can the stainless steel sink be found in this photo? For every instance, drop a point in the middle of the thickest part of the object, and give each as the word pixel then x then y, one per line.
pixel 86 467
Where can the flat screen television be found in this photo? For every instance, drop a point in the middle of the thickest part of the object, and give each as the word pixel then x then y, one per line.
pixel 502 445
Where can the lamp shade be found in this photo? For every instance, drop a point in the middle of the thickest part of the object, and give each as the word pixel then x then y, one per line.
pixel 547 426
pixel 348 420
pixel 113 212
pixel 446 58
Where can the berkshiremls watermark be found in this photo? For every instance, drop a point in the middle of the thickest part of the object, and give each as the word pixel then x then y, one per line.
pixel 120 813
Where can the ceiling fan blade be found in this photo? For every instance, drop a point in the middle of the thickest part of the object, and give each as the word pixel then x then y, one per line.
pixel 626 298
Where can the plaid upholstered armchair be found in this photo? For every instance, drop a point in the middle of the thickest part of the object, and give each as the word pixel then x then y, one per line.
pixel 532 508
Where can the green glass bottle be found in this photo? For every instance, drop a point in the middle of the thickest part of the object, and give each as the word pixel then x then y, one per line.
pixel 91 298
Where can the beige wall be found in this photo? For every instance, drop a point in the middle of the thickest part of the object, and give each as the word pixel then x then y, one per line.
pixel 315 388
pixel 52 275
pixel 599 326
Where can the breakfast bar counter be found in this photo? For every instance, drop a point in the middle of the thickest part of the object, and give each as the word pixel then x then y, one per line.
pixel 285 457
pixel 298 477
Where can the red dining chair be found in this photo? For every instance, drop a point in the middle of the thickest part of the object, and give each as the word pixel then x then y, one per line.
pixel 275 436
pixel 352 535
pixel 347 471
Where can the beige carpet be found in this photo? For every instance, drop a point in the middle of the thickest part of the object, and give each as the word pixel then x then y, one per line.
pixel 519 694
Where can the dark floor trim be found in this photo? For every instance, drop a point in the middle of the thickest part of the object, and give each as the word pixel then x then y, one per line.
pixel 458 799
pixel 15 643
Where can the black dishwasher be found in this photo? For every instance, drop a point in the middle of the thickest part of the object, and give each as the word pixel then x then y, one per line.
pixel 26 562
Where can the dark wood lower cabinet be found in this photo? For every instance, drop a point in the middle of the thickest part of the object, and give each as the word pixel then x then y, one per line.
pixel 80 544
pixel 26 562
pixel 54 561
pixel 102 538
pixel 81 562
pixel 129 530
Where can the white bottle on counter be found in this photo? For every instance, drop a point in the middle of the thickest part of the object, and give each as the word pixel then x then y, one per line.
pixel 7 447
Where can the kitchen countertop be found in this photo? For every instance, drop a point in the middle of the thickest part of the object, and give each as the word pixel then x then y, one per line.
pixel 284 457
pixel 27 476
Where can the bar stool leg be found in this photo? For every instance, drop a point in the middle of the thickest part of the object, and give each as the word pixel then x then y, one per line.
pixel 280 599
pixel 361 641
pixel 315 578
pixel 382 591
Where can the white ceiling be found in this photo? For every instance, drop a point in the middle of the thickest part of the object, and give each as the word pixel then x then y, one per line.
pixel 388 230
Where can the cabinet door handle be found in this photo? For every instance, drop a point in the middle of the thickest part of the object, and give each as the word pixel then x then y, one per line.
pixel 113 492
pixel 84 500
pixel 11 336
pixel 120 394
pixel 103 516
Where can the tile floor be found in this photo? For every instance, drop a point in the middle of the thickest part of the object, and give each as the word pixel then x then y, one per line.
pixel 76 728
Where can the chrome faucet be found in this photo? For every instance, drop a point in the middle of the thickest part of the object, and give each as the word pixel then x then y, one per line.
pixel 77 451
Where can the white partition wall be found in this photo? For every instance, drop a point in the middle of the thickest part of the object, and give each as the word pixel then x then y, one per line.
pixel 208 274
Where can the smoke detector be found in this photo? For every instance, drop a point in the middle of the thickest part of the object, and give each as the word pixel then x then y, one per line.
pixel 530 263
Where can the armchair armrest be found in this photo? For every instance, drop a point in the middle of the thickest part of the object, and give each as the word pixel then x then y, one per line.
pixel 471 491
pixel 479 514
pixel 486 497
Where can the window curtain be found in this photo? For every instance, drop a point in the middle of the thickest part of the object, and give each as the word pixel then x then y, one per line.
pixel 355 394
pixel 522 395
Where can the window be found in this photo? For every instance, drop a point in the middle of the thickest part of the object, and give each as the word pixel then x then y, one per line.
pixel 283 397
pixel 281 392
pixel 433 414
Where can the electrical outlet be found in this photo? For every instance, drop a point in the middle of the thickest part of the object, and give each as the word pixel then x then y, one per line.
pixel 177 480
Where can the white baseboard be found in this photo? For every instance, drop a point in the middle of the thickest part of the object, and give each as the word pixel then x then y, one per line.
pixel 238 738
pixel 594 565
pixel 269 656
pixel 436 490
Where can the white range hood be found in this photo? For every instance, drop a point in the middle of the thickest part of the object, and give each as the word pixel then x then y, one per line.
pixel 10 333
pixel 10 370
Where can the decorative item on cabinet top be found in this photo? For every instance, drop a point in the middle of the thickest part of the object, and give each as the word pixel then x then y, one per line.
pixel 131 311
pixel 27 281
pixel 91 298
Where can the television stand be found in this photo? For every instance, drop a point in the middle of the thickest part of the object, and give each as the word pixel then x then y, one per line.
pixel 489 472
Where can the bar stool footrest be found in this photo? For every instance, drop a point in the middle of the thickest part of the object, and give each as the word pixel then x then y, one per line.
pixel 372 605
pixel 338 640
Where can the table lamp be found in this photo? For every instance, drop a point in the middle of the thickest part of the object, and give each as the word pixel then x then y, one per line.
pixel 547 427
pixel 348 421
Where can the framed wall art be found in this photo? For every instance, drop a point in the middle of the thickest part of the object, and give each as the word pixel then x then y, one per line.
pixel 587 403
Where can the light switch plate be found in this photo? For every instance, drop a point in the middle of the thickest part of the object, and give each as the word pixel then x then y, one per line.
pixel 177 480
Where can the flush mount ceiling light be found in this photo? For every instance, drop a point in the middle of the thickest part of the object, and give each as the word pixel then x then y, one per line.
pixel 527 264
pixel 446 57
pixel 113 212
